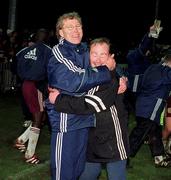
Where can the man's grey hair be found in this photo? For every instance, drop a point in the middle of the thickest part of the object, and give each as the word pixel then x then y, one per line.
pixel 70 15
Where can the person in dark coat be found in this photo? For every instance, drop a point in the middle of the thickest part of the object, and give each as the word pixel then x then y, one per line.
pixel 138 60
pixel 155 89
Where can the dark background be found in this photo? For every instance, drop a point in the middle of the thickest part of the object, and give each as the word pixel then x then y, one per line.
pixel 123 21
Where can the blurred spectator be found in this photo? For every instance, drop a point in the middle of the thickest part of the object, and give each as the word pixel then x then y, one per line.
pixel 32 70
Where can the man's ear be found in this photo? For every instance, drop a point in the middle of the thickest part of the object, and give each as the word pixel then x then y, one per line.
pixel 61 33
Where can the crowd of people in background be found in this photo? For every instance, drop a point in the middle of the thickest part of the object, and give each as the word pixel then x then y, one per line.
pixel 87 98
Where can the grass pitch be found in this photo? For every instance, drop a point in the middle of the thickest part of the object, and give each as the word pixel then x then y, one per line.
pixel 13 167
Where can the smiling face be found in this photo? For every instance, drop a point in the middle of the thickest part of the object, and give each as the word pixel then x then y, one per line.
pixel 71 31
pixel 99 54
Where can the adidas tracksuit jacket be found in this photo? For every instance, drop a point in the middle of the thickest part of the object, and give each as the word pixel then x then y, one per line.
pixel 32 62
pixel 69 71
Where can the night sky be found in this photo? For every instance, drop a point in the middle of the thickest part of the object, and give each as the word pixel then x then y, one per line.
pixel 123 21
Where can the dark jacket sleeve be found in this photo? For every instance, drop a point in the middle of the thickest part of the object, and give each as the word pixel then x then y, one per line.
pixel 87 104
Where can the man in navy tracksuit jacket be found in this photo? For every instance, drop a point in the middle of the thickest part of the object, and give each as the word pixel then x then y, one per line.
pixel 138 61
pixel 70 72
pixel 155 89
pixel 32 69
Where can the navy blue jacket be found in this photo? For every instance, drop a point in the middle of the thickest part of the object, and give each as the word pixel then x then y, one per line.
pixel 32 62
pixel 69 70
pixel 138 63
pixel 155 89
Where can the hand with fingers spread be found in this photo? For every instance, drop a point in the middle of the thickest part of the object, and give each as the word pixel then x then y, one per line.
pixel 111 63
